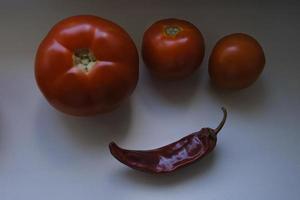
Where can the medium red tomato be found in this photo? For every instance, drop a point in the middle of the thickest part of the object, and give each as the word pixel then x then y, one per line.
pixel 86 65
pixel 172 48
pixel 236 61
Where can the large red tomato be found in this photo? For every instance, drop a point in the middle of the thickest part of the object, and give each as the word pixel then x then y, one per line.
pixel 236 61
pixel 86 65
pixel 172 48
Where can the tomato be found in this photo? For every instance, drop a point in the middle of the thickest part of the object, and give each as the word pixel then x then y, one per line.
pixel 86 65
pixel 172 48
pixel 236 61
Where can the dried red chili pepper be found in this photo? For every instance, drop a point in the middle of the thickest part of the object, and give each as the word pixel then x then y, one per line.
pixel 173 156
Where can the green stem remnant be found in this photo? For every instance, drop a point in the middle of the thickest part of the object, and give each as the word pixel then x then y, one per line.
pixel 172 30
pixel 84 59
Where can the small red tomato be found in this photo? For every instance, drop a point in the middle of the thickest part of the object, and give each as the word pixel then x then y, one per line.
pixel 172 48
pixel 86 65
pixel 236 61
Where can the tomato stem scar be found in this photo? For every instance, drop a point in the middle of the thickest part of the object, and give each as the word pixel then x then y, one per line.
pixel 172 30
pixel 84 59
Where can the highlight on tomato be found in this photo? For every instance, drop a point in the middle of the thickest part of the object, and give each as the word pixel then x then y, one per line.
pixel 86 65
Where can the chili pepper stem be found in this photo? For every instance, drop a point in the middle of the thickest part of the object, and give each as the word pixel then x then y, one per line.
pixel 220 126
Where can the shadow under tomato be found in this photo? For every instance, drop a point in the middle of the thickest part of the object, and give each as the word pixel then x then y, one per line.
pixel 101 129
pixel 248 100
pixel 65 138
pixel 194 171
pixel 178 92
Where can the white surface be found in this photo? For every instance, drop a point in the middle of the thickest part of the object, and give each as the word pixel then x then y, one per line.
pixel 47 155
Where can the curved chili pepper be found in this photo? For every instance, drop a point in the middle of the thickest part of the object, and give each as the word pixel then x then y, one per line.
pixel 173 156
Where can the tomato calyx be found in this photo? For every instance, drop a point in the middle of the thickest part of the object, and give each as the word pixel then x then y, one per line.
pixel 84 59
pixel 172 31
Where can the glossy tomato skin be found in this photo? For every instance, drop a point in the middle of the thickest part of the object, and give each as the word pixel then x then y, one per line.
pixel 236 61
pixel 172 57
pixel 111 80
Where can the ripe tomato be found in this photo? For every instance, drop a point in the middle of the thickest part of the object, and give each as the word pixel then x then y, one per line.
pixel 236 61
pixel 172 48
pixel 86 65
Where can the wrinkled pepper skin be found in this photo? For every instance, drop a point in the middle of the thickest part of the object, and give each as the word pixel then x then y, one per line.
pixel 173 156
